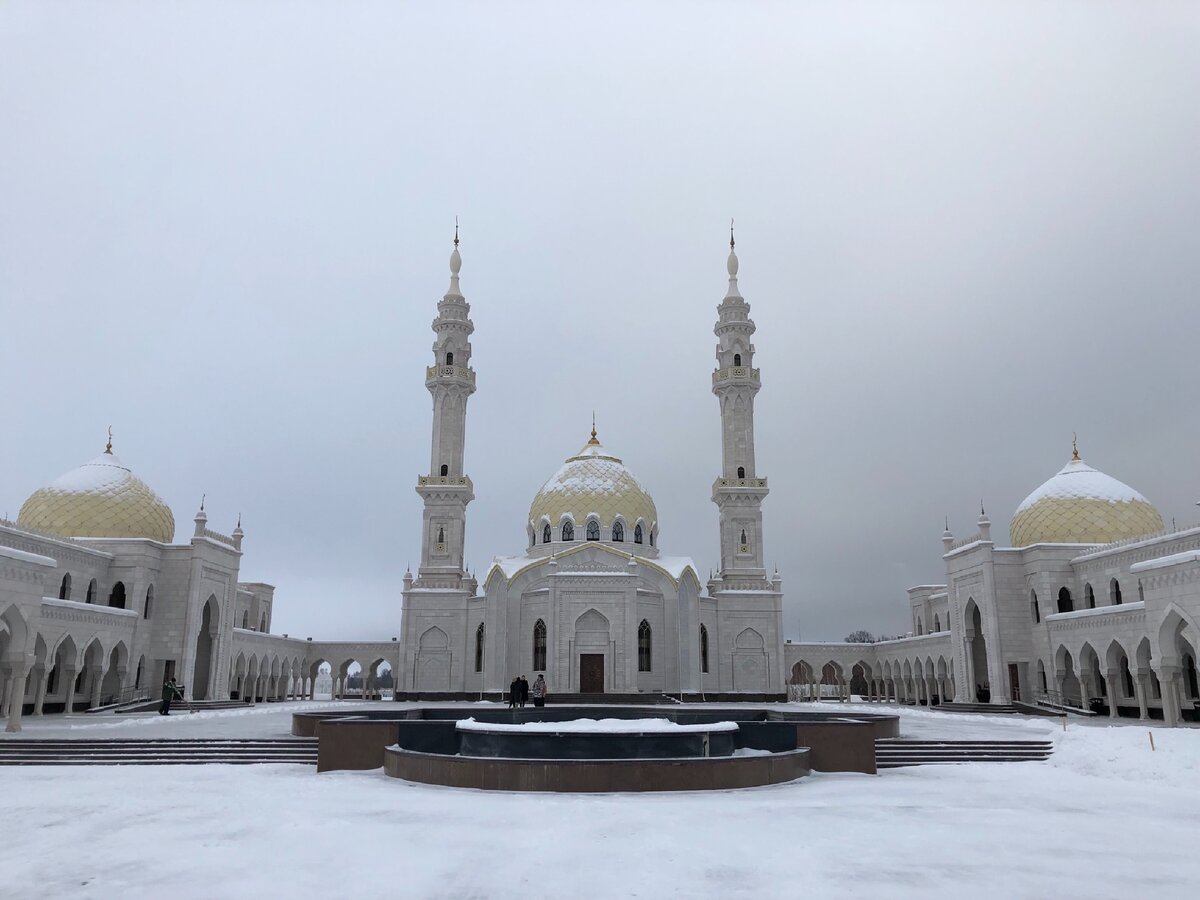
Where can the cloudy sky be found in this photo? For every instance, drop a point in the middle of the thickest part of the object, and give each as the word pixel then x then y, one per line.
pixel 965 231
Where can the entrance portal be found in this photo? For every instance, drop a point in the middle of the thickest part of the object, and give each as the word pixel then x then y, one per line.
pixel 591 673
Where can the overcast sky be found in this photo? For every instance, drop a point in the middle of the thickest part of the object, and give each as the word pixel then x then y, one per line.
pixel 965 231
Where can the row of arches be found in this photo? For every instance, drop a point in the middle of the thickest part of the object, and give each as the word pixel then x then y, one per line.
pixel 1065 602
pixel 117 597
pixel 593 531
pixel 923 681
pixel 271 677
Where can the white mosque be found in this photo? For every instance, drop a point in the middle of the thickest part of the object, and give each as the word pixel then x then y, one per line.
pixel 1094 604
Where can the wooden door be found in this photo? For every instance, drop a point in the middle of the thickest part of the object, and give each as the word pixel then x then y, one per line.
pixel 1014 682
pixel 591 673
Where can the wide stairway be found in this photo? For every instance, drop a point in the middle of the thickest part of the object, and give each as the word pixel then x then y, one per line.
pixel 891 753
pixel 174 752
pixel 991 709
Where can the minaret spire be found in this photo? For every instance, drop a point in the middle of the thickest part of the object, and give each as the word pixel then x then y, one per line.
pixel 731 265
pixel 455 265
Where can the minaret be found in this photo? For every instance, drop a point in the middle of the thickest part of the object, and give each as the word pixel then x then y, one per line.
pixel 739 491
pixel 446 490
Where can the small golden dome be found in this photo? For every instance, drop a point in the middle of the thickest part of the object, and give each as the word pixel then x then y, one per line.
pixel 593 481
pixel 1081 505
pixel 100 499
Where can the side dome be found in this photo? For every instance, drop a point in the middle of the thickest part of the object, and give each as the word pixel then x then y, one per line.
pixel 593 481
pixel 1081 505
pixel 100 499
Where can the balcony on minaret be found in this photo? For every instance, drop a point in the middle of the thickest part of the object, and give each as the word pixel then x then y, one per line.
pixel 756 487
pixel 736 375
pixel 445 481
pixel 435 375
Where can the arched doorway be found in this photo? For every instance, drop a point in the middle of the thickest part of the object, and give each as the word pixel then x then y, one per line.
pixel 205 644
pixel 980 687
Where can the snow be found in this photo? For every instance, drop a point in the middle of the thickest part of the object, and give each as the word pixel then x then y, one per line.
pixel 24 556
pixel 1078 480
pixel 104 473
pixel 596 726
pixel 1137 606
pixel 89 607
pixel 1105 817
pixel 1175 559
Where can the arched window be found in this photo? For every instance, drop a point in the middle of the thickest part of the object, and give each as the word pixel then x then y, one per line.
pixel 449 359
pixel 546 533
pixel 441 535
pixel 1141 592
pixel 262 625
pixel 651 537
pixel 479 648
pixel 91 592
pixel 568 531
pixel 744 541
pixel 246 619
pixel 703 649
pixel 920 626
pixel 644 646
pixel 116 597
pixel 741 471
pixel 593 530
pixel 1033 605
pixel 637 533
pixel 737 359
pixel 445 470
pixel 1089 596
pixel 149 602
pixel 937 625
pixel 539 646
pixel 1114 592
pixel 618 532
pixel 1065 603
pixel 64 589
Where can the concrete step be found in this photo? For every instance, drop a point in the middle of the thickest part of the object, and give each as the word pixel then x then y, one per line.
pixel 895 752
pixel 992 709
pixel 116 751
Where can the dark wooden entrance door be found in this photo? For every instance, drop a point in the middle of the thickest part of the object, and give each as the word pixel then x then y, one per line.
pixel 1014 682
pixel 591 673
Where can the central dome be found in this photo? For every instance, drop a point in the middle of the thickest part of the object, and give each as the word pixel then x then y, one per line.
pixel 593 484
pixel 1081 505
pixel 100 499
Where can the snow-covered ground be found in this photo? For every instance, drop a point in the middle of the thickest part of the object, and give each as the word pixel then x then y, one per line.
pixel 597 726
pixel 1105 817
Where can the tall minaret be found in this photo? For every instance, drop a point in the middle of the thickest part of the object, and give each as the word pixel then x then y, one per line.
pixel 446 490
pixel 739 491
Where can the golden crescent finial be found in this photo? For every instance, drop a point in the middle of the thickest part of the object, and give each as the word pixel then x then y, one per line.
pixel 731 234
pixel 1074 447
pixel 594 439
pixel 456 231
pixel 108 446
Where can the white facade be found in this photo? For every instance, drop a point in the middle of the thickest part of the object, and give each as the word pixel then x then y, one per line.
pixel 592 604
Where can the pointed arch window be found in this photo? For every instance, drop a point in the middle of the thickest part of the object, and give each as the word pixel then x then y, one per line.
pixel 744 541
pixel 937 625
pixel 1065 604
pixel 1141 592
pixel 64 589
pixel 637 533
pixel 737 359
pixel 703 650
pixel 644 646
pixel 593 530
pixel 449 359
pixel 444 470
pixel 1037 613
pixel 116 597
pixel 546 533
pixel 539 646
pixel 441 535
pixel 741 471
pixel 568 531
pixel 149 602
pixel 1114 592
pixel 91 592
pixel 479 648
pixel 246 619
pixel 1089 596
pixel 618 532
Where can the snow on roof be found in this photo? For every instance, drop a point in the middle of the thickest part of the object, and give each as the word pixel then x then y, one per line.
pixel 1175 559
pixel 25 556
pixel 1077 480
pixel 104 472
pixel 595 726
pixel 1098 611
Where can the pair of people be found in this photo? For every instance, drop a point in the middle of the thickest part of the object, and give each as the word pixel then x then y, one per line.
pixel 170 692
pixel 518 692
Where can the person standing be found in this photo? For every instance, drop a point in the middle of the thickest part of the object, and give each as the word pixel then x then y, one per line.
pixel 170 692
pixel 539 691
pixel 524 692
pixel 514 691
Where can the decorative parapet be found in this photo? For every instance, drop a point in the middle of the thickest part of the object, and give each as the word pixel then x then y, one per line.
pixel 750 483
pixel 218 537
pixel 444 481
pixel 457 373
pixel 734 374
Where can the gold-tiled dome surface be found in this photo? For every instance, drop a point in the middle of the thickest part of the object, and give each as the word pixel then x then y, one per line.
pixel 593 481
pixel 1081 505
pixel 102 499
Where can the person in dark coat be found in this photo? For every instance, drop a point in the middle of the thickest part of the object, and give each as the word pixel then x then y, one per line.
pixel 524 692
pixel 514 692
pixel 170 692
pixel 540 692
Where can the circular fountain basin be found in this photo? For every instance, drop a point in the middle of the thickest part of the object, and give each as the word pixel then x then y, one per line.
pixel 649 738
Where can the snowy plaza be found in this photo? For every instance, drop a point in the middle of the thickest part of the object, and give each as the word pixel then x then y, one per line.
pixel 1104 817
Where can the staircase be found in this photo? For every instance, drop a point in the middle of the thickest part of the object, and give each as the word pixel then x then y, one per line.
pixel 991 709
pixel 119 751
pixel 891 753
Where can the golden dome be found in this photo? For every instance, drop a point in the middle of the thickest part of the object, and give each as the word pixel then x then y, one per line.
pixel 593 481
pixel 1080 505
pixel 100 499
